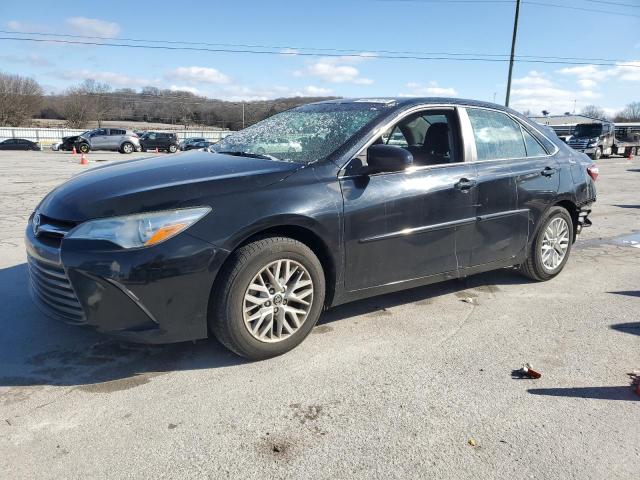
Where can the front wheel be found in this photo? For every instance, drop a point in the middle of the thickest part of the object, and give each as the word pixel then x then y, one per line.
pixel 551 247
pixel 84 148
pixel 268 298
pixel 597 154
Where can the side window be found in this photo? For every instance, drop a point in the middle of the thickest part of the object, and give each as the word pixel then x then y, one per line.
pixel 431 136
pixel 115 131
pixel 497 136
pixel 534 149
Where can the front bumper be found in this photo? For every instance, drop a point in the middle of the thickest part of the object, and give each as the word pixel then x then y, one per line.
pixel 158 294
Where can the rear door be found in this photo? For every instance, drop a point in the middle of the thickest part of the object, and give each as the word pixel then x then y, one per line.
pixel 115 138
pixel 516 178
pixel 501 230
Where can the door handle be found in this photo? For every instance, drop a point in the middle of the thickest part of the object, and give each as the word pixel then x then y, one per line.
pixel 465 184
pixel 548 171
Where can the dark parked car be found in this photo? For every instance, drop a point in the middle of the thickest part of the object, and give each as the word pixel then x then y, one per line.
pixel 187 141
pixel 160 140
pixel 198 145
pixel 19 144
pixel 252 247
pixel 68 143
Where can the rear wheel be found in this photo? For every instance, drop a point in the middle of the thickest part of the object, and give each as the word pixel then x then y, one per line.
pixel 173 149
pixel 551 247
pixel 127 147
pixel 269 297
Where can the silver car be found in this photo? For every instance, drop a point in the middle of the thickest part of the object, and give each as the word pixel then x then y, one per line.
pixel 116 139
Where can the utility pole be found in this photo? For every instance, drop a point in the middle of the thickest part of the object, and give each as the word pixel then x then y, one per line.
pixel 243 115
pixel 513 51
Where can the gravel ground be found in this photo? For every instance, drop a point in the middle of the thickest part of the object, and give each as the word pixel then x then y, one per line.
pixel 416 384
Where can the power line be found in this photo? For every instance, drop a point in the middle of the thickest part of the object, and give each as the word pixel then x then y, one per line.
pixel 367 52
pixel 304 54
pixel 614 3
pixel 582 9
pixel 541 4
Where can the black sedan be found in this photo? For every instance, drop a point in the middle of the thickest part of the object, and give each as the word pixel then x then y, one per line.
pixel 198 145
pixel 251 246
pixel 19 144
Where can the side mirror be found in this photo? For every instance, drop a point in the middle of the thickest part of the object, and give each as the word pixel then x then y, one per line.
pixel 388 158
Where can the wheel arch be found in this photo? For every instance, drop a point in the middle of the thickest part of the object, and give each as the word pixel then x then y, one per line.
pixel 301 229
pixel 569 205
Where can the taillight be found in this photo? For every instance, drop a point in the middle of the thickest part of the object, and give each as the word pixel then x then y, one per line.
pixel 593 171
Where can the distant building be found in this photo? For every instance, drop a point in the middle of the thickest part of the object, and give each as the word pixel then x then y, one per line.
pixel 563 124
pixel 564 120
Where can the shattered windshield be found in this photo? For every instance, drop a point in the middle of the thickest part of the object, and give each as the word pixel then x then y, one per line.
pixel 588 130
pixel 304 134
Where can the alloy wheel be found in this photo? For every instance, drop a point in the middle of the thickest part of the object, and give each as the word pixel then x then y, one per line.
pixel 277 301
pixel 555 243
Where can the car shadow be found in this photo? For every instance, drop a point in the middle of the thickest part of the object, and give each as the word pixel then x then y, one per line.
pixel 36 350
pixel 631 327
pixel 627 206
pixel 628 293
pixel 624 393
pixel 488 282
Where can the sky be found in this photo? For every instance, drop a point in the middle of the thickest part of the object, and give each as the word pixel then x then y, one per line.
pixel 367 28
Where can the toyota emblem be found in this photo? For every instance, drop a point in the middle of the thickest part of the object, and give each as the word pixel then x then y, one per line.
pixel 36 223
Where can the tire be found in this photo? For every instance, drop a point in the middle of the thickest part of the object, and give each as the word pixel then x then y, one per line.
pixel 597 154
pixel 84 148
pixel 143 149
pixel 229 317
pixel 172 149
pixel 535 266
pixel 127 147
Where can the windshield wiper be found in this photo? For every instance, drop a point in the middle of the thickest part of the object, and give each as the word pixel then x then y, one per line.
pixel 238 153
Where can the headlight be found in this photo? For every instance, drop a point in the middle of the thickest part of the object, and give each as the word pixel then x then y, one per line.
pixel 141 230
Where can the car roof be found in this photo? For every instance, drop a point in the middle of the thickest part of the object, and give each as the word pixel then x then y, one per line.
pixel 402 102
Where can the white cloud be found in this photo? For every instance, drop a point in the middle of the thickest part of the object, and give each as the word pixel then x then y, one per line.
pixel 198 75
pixel 429 90
pixel 314 91
pixel 18 26
pixel 533 79
pixel 587 83
pixel 111 78
pixel 93 27
pixel 29 59
pixel 626 71
pixel 182 88
pixel 338 69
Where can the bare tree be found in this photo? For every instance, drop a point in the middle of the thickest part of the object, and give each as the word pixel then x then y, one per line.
pixel 76 108
pixel 631 113
pixel 20 99
pixel 594 111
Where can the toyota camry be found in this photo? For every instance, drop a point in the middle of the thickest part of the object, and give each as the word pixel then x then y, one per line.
pixel 251 240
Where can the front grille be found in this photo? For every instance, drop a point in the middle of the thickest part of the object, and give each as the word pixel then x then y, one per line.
pixel 53 230
pixel 578 143
pixel 52 289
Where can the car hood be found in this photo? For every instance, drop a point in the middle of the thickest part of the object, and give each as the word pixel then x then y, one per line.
pixel 157 183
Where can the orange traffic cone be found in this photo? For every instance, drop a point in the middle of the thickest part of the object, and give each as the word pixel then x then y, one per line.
pixel 157 151
pixel 73 150
pixel 630 157
pixel 83 160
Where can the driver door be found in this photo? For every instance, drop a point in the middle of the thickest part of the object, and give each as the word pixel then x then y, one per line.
pixel 400 226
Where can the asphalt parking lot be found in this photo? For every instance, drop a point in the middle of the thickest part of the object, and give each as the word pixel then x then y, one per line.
pixel 416 384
